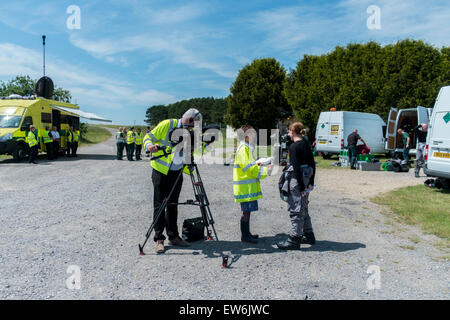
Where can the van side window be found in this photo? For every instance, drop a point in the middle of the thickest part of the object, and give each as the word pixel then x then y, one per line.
pixel 26 123
pixel 46 117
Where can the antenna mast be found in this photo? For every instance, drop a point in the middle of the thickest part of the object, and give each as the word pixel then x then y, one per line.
pixel 43 44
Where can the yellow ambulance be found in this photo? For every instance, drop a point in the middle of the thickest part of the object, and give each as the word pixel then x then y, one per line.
pixel 17 113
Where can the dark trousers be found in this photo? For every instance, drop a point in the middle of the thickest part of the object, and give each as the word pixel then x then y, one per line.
pixel 74 147
pixel 69 147
pixel 49 148
pixel 405 154
pixel 138 151
pixel 55 149
pixel 120 146
pixel 162 184
pixel 352 156
pixel 33 153
pixel 130 151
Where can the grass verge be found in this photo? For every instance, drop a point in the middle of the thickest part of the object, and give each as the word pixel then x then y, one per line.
pixel 95 134
pixel 420 206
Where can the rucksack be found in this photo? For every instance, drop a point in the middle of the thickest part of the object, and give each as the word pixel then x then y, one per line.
pixel 193 229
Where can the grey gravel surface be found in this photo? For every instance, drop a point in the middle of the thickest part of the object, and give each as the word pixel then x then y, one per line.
pixel 93 211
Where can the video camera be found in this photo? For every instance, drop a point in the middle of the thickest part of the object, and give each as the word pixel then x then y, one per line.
pixel 206 135
pixel 285 142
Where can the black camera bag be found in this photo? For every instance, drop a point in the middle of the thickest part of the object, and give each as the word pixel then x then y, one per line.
pixel 193 229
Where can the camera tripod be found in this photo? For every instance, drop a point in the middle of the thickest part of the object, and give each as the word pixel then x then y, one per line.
pixel 201 200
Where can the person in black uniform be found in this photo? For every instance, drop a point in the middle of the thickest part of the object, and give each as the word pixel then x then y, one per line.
pixel 303 170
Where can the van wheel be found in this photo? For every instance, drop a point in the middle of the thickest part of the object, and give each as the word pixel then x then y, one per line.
pixel 19 153
pixel 326 156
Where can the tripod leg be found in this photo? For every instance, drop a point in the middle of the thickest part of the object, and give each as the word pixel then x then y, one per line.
pixel 161 209
pixel 202 198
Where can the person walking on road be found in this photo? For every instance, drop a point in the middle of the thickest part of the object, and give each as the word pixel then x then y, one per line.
pixel 131 139
pixel 406 144
pixel 352 141
pixel 48 142
pixel 33 144
pixel 120 141
pixel 246 180
pixel 302 172
pixel 138 142
pixel 421 134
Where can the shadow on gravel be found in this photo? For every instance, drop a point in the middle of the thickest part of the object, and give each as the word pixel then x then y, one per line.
pixel 266 245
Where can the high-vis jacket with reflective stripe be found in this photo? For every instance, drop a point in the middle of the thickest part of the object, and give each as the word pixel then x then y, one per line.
pixel 32 139
pixel 160 136
pixel 139 137
pixel 46 137
pixel 130 137
pixel 246 175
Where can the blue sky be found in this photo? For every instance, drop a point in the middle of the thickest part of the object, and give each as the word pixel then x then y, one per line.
pixel 130 54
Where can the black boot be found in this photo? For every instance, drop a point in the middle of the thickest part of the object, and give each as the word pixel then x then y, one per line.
pixel 291 243
pixel 308 238
pixel 245 233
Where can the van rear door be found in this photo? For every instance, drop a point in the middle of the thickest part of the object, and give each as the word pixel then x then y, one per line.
pixel 322 131
pixel 391 132
pixel 422 115
pixel 439 143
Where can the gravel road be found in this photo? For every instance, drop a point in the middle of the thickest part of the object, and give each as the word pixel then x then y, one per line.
pixel 93 211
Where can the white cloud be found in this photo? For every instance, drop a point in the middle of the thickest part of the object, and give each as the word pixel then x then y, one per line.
pixel 86 87
pixel 290 29
pixel 174 45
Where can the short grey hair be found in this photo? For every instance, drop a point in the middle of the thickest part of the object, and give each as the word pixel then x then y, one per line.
pixel 192 113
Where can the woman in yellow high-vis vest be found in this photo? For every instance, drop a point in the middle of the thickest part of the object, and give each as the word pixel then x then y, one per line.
pixel 246 176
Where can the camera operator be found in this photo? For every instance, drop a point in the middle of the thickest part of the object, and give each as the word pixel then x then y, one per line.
pixel 165 172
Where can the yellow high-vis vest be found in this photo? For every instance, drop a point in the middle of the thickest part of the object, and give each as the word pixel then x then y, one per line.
pixel 160 136
pixel 32 139
pixel 139 138
pixel 76 136
pixel 46 137
pixel 246 175
pixel 130 137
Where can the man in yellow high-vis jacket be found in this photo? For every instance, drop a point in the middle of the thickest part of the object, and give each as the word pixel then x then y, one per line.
pixel 138 143
pixel 33 144
pixel 131 139
pixel 48 142
pixel 166 169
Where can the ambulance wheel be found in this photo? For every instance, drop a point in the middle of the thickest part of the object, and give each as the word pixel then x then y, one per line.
pixel 326 156
pixel 20 153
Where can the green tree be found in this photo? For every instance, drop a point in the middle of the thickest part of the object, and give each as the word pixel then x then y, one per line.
pixel 367 78
pixel 155 114
pixel 256 95
pixel 24 85
pixel 213 110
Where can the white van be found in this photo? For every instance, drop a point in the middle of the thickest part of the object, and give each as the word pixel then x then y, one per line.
pixel 437 158
pixel 334 127
pixel 407 119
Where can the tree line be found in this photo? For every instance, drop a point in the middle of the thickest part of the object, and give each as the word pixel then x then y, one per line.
pixel 359 77
pixel 212 109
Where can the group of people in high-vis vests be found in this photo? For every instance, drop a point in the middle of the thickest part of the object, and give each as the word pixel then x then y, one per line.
pixel 131 141
pixel 247 174
pixel 52 141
